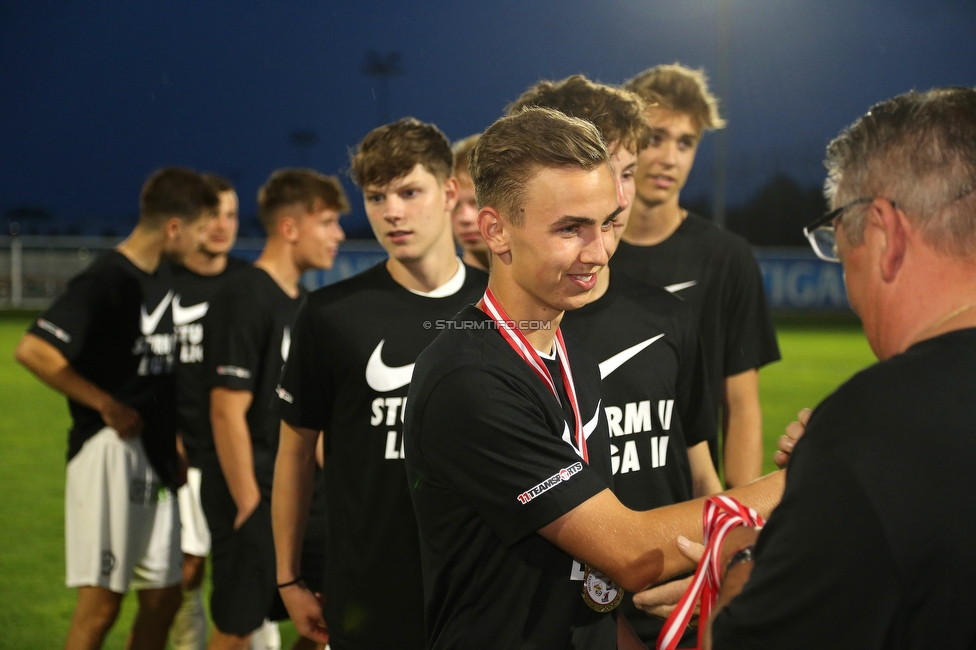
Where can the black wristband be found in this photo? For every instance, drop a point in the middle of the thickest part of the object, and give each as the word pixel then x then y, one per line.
pixel 745 554
pixel 288 584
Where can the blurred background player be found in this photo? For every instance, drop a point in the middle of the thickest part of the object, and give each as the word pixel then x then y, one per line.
pixel 653 375
pixel 353 353
pixel 107 344
pixel 195 282
pixel 464 216
pixel 713 270
pixel 248 338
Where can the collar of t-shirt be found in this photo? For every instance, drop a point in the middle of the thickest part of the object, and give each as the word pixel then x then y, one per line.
pixel 449 288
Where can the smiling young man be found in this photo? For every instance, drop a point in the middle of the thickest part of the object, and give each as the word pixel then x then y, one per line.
pixel 195 282
pixel 653 376
pixel 713 270
pixel 464 216
pixel 107 345
pixel 247 339
pixel 507 445
pixel 353 353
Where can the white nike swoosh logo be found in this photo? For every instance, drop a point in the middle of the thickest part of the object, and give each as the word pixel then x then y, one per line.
pixel 381 377
pixel 149 322
pixel 673 288
pixel 623 357
pixel 588 428
pixel 285 344
pixel 183 315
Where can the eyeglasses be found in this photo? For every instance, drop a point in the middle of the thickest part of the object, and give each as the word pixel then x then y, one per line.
pixel 821 234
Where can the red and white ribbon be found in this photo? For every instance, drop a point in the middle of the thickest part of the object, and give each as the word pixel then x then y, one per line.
pixel 524 349
pixel 721 515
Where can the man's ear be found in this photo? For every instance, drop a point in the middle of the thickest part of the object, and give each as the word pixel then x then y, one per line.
pixel 173 228
pixel 451 189
pixel 495 230
pixel 894 230
pixel 287 227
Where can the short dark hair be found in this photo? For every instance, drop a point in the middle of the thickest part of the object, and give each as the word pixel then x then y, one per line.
pixel 218 183
pixel 515 148
pixel 617 113
pixel 393 150
pixel 289 187
pixel 175 192
pixel 675 87
pixel 919 150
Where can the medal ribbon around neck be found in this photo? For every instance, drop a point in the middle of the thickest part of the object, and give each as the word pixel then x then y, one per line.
pixel 524 349
pixel 721 515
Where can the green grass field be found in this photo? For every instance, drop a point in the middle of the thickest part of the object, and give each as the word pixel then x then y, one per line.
pixel 35 607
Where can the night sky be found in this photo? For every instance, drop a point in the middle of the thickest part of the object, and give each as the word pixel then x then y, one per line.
pixel 95 97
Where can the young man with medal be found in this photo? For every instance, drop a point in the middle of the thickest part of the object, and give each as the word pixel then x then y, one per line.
pixel 654 386
pixel 507 447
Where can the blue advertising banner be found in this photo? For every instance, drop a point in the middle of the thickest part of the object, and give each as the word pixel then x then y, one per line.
pixel 797 280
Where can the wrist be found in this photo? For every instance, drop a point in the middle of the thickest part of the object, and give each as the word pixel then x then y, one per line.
pixel 289 583
pixel 743 555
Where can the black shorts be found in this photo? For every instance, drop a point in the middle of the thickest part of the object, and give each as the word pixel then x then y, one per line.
pixel 243 560
pixel 245 590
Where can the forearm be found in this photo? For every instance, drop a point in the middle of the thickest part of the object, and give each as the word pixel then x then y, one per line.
pixel 232 440
pixel 638 549
pixel 50 366
pixel 742 429
pixel 291 497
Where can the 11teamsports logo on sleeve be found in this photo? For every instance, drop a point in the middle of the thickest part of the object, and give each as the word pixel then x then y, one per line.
pixel 561 476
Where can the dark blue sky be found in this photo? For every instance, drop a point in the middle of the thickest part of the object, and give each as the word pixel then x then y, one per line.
pixel 95 97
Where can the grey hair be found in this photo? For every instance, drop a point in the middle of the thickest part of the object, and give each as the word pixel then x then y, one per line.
pixel 918 150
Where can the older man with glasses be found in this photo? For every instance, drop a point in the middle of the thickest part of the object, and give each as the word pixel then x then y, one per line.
pixel 872 545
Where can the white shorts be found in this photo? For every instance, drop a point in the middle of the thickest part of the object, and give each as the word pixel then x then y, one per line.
pixel 122 526
pixel 195 534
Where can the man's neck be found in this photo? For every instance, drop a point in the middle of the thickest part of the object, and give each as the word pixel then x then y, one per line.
pixel 431 271
pixel 203 263
pixel 541 322
pixel 276 261
pixel 477 259
pixel 652 224
pixel 143 248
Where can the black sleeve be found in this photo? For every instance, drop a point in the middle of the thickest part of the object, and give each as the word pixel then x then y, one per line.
pixel 694 402
pixel 487 437
pixel 305 395
pixel 236 333
pixel 824 576
pixel 68 322
pixel 750 335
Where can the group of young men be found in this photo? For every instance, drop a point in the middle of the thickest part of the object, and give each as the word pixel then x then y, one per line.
pixel 426 455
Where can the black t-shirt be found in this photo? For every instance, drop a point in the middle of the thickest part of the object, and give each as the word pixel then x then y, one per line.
pixel 247 338
pixel 489 463
pixel 190 305
pixel 353 354
pixel 716 273
pixel 654 395
pixel 113 325
pixel 872 544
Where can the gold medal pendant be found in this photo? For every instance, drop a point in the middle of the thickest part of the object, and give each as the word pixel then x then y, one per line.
pixel 600 592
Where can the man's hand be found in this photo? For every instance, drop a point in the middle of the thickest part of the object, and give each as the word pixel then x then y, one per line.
pixel 246 508
pixel 124 419
pixel 305 610
pixel 662 599
pixel 794 431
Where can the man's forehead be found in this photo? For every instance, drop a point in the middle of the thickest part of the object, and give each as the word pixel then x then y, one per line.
pixel 417 174
pixel 675 123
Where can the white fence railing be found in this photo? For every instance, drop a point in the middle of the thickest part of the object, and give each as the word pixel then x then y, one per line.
pixel 35 269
